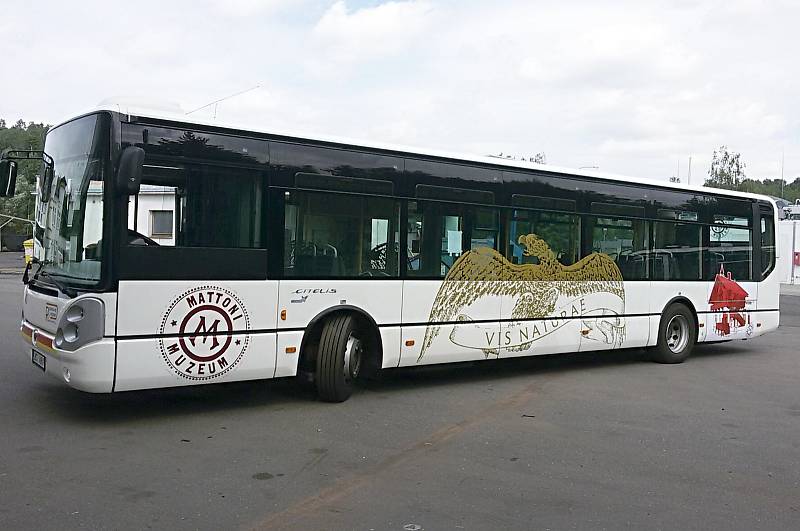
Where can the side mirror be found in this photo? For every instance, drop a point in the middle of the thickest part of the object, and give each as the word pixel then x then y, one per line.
pixel 129 174
pixel 46 184
pixel 8 177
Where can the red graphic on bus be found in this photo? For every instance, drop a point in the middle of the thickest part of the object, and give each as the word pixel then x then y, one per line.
pixel 729 299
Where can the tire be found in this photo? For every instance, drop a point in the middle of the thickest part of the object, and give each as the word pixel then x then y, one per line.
pixel 340 358
pixel 677 335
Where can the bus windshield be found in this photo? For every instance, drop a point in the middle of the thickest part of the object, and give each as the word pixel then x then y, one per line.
pixel 69 214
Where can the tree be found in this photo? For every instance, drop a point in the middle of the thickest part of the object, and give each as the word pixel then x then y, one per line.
pixel 727 169
pixel 21 136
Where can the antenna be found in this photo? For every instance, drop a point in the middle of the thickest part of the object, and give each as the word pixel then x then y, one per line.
pixel 215 102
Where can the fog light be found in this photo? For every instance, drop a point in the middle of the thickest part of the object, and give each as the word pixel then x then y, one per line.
pixel 66 375
pixel 70 332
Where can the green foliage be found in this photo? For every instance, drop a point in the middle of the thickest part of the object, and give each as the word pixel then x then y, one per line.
pixel 789 191
pixel 727 169
pixel 727 172
pixel 21 136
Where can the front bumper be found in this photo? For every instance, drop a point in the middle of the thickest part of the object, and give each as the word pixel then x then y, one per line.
pixel 89 368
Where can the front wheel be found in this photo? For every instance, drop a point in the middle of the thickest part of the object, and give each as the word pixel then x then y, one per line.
pixel 340 358
pixel 677 334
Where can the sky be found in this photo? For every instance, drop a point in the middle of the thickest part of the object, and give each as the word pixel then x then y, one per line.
pixel 631 87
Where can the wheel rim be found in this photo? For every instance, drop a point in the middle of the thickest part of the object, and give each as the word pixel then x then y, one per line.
pixel 352 357
pixel 677 333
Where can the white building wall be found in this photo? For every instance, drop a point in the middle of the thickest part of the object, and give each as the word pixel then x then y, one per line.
pixel 152 198
pixel 788 248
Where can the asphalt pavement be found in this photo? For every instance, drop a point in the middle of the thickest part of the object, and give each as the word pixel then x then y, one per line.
pixel 11 262
pixel 562 442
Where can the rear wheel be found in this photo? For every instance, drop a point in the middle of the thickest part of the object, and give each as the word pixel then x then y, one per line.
pixel 340 358
pixel 677 334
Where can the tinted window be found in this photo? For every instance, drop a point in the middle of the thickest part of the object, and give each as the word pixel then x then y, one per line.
pixel 767 242
pixel 440 174
pixel 340 235
pixel 177 143
pixel 730 251
pixel 439 233
pixel 289 159
pixel 560 231
pixel 210 206
pixel 624 240
pixel 677 251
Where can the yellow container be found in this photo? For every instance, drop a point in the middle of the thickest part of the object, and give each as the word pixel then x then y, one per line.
pixel 28 246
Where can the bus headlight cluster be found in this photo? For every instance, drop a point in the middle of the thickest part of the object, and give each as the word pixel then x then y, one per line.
pixel 81 323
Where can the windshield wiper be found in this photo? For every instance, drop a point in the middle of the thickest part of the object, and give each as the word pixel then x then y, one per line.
pixel 44 274
pixel 62 275
pixel 70 292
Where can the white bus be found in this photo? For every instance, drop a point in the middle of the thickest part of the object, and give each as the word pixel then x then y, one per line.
pixel 270 255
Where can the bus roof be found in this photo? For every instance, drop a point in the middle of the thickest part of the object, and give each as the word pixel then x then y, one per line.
pixel 173 114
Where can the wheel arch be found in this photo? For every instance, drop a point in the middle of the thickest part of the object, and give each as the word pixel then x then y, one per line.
pixel 313 332
pixel 681 299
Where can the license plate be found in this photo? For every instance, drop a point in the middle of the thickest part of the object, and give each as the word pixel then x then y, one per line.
pixel 39 360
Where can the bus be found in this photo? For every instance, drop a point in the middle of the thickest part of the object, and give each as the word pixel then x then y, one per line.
pixel 173 252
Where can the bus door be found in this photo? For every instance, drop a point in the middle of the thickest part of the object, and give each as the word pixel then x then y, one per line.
pixel 451 295
pixel 540 306
pixel 733 293
pixel 194 305
pixel 615 297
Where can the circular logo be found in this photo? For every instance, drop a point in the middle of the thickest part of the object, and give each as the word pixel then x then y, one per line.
pixel 203 333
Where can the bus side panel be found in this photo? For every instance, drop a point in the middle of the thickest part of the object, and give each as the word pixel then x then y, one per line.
pixel 662 292
pixel 570 316
pixel 730 306
pixel 769 291
pixel 185 332
pixel 305 300
pixel 138 368
pixel 438 317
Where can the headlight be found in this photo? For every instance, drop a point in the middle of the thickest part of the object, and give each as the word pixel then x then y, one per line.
pixel 83 322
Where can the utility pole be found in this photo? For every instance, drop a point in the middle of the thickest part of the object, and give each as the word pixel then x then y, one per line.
pixel 689 175
pixel 783 155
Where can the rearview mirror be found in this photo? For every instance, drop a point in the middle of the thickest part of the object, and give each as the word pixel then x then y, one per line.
pixel 8 177
pixel 46 183
pixel 129 174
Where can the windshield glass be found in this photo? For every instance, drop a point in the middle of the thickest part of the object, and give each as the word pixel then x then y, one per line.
pixel 70 223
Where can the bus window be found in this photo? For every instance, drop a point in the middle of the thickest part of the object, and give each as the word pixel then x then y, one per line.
pixel 485 228
pixel 730 248
pixel 435 237
pixel 340 235
pixel 560 231
pixel 439 233
pixel 197 206
pixel 767 242
pixel 677 251
pixel 624 240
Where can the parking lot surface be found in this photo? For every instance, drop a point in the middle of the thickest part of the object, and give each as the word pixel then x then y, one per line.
pixel 579 441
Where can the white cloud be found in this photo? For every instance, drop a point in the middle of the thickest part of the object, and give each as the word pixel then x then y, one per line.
pixel 343 36
pixel 627 85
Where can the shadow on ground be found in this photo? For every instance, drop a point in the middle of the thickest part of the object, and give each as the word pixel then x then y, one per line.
pixel 290 393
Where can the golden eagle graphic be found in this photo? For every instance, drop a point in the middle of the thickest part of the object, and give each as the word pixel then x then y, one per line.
pixel 537 287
